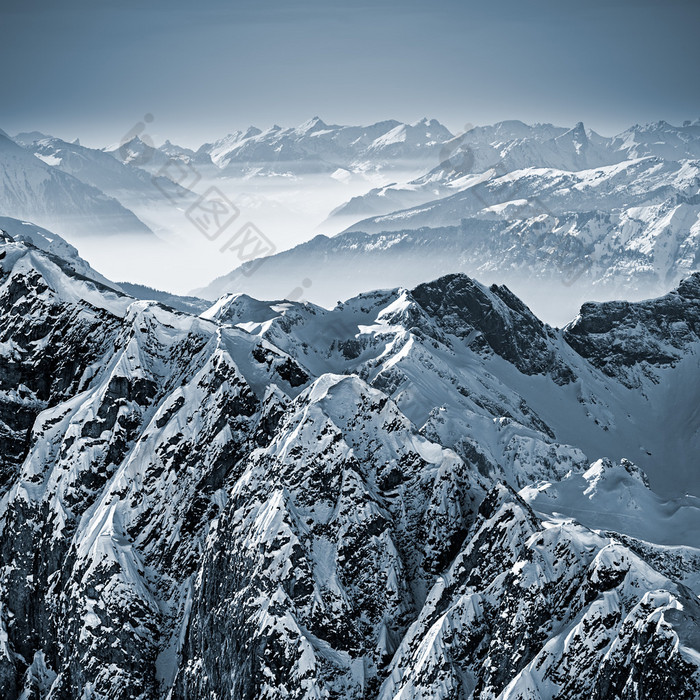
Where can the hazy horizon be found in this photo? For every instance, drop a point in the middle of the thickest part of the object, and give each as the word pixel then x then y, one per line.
pixel 206 71
pixel 158 138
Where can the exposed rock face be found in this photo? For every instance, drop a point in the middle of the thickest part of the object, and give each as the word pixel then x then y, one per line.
pixel 48 345
pixel 276 500
pixel 655 332
pixel 496 316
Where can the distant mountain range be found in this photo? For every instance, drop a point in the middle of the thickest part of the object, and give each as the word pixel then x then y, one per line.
pixel 605 216
pixel 33 188
pixel 325 147
pixel 311 147
pixel 135 188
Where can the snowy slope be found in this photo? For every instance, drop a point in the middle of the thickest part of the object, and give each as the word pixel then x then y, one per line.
pixel 617 497
pixel 49 242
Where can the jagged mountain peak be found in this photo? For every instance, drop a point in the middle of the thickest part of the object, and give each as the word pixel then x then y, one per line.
pixel 503 323
pixel 578 134
pixel 324 387
pixel 499 496
pixel 251 131
pixel 311 125
pixel 135 144
pixel 653 330
pixel 427 122
pixel 605 468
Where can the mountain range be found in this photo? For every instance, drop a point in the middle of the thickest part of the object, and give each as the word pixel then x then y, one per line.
pixel 132 189
pixel 606 217
pixel 323 147
pixel 423 492
pixel 32 188
pixel 586 216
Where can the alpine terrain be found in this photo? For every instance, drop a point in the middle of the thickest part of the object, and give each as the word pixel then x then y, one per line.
pixel 425 492
pixel 586 216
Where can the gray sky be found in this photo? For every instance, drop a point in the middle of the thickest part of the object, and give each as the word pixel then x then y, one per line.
pixel 92 68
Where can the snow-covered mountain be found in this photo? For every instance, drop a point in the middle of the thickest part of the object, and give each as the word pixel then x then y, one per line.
pixel 139 153
pixel 607 217
pixel 104 172
pixel 315 146
pixel 533 191
pixel 33 189
pixel 66 254
pixel 311 147
pixel 54 245
pixel 662 140
pixel 487 152
pixel 392 499
pixel 641 189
